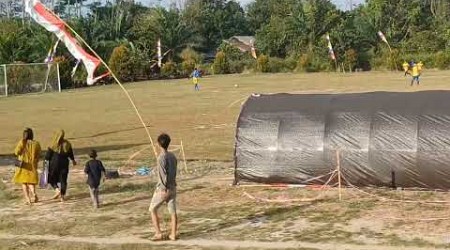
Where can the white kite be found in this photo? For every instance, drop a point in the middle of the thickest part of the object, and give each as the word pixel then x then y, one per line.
pixel 54 24
pixel 383 38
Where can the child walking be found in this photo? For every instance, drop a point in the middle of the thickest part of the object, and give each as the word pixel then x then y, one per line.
pixel 94 169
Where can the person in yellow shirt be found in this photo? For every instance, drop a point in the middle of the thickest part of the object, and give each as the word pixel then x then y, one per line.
pixel 406 68
pixel 419 67
pixel 28 152
pixel 415 73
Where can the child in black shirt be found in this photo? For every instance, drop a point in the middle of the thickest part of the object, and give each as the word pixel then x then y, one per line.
pixel 94 169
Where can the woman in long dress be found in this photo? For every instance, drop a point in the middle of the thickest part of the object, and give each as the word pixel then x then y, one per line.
pixel 58 155
pixel 27 151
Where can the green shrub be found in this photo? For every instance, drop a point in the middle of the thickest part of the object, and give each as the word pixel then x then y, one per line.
pixel 190 60
pixel 18 79
pixel 122 64
pixel 220 65
pixel 387 60
pixel 65 72
pixel 350 59
pixel 169 69
pixel 231 53
pixel 304 62
pixel 187 67
pixel 236 67
pixel 276 65
pixel 262 63
pixel 206 68
pixel 442 60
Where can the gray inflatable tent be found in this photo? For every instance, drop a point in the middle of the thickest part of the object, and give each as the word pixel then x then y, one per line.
pixel 384 138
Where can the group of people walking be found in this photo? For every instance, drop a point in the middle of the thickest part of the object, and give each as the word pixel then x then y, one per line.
pixel 57 159
pixel 28 151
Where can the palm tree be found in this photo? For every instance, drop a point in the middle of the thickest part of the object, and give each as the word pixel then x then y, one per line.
pixel 169 27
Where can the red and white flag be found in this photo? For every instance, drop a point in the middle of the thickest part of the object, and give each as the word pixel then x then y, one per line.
pixel 253 50
pixel 330 48
pixel 54 24
pixel 159 53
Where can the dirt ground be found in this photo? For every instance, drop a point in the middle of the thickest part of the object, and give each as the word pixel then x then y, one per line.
pixel 213 214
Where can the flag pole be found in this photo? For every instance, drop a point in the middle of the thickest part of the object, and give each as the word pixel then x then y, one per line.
pixel 119 83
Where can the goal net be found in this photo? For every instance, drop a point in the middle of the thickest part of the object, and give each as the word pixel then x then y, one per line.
pixel 19 79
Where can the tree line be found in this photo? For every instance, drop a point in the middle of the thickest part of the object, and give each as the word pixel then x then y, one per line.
pixel 289 36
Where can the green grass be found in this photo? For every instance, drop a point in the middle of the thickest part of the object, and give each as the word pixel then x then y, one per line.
pixel 102 118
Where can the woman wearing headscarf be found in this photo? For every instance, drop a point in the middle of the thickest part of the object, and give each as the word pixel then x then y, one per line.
pixel 58 155
pixel 27 151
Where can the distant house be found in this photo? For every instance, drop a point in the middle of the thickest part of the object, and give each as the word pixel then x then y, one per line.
pixel 243 43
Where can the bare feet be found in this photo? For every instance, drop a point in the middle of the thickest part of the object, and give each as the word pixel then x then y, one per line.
pixel 157 237
pixel 36 199
pixel 57 195
pixel 172 237
pixel 62 198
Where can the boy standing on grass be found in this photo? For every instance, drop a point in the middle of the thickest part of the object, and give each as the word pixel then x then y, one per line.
pixel 195 78
pixel 165 191
pixel 415 73
pixel 405 66
pixel 94 169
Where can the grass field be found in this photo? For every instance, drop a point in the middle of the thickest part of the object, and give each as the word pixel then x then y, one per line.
pixel 101 117
pixel 213 214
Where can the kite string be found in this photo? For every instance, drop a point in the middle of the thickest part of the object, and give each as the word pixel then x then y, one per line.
pixel 121 86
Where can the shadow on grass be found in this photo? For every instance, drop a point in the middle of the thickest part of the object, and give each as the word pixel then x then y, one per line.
pixel 113 188
pixel 126 201
pixel 116 188
pixel 9 159
pixel 87 150
pixel 107 133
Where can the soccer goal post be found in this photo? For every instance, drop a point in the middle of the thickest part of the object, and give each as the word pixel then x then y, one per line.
pixel 27 78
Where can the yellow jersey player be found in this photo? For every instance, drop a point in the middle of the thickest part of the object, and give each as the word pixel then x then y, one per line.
pixel 406 68
pixel 415 73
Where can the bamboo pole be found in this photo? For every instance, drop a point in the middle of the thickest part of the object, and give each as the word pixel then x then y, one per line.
pixel 338 159
pixel 184 157
pixel 118 82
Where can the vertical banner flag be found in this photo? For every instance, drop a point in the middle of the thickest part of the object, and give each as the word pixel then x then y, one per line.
pixel 159 53
pixel 383 38
pixel 54 24
pixel 74 70
pixel 253 50
pixel 51 53
pixel 330 48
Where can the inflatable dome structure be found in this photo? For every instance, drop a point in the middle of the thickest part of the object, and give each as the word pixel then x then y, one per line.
pixel 383 138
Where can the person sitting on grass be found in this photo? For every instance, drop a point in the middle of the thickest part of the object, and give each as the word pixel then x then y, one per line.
pixel 94 169
pixel 165 191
